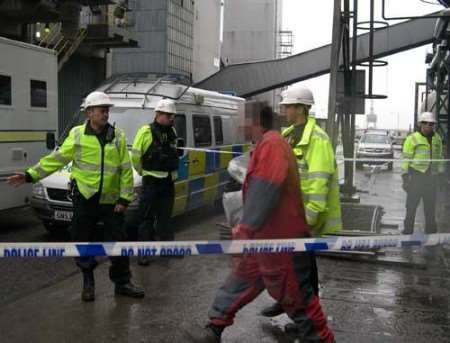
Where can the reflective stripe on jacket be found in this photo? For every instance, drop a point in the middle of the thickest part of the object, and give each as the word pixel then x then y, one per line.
pixel 319 180
pixel 417 147
pixel 142 142
pixel 85 151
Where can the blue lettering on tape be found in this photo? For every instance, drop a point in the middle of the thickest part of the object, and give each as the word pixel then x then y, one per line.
pixel 316 246
pixel 411 243
pixel 205 249
pixel 91 250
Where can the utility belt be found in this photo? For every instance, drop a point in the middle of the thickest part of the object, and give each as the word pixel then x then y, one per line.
pixel 149 180
pixel 160 158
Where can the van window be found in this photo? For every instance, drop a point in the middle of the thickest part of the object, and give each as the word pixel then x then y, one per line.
pixel 218 131
pixel 38 93
pixel 180 126
pixel 5 90
pixel 202 130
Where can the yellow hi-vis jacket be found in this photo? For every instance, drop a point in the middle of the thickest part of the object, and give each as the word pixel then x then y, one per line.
pixel 417 147
pixel 319 181
pixel 92 165
pixel 142 142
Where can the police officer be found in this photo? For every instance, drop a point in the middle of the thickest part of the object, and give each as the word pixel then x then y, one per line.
pixel 421 174
pixel 102 188
pixel 319 181
pixel 155 158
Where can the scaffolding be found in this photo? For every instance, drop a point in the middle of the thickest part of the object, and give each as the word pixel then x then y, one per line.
pixel 285 44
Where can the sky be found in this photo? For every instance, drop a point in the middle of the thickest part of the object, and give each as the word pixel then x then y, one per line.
pixel 311 23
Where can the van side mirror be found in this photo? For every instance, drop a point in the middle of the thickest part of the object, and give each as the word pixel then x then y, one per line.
pixel 180 144
pixel 50 140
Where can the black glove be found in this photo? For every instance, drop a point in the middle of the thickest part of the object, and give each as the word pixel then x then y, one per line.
pixel 406 182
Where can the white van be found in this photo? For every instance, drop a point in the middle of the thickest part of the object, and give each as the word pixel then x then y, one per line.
pixel 206 120
pixel 28 111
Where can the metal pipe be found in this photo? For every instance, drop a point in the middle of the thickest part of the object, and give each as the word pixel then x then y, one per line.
pixel 334 67
pixel 448 121
pixel 371 40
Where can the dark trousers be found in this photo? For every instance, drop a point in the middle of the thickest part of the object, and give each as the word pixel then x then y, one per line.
pixel 86 216
pixel 422 186
pixel 314 273
pixel 155 209
pixel 287 278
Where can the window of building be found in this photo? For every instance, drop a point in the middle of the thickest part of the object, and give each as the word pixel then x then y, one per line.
pixel 218 131
pixel 5 90
pixel 202 130
pixel 38 93
pixel 180 126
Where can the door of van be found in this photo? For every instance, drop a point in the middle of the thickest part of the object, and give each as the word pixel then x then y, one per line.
pixel 200 163
pixel 182 184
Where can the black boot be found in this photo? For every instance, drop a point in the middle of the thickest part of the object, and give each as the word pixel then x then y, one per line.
pixel 88 293
pixel 208 334
pixel 273 310
pixel 129 290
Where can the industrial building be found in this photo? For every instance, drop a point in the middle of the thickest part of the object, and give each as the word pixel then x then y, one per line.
pixel 81 32
pixel 253 31
pixel 175 37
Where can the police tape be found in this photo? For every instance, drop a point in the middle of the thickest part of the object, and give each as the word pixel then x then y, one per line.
pixel 237 247
pixel 391 160
pixel 374 159
pixel 236 153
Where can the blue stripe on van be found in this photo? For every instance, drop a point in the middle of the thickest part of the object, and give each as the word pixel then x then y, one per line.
pixel 196 200
pixel 217 159
pixel 183 168
pixel 237 149
pixel 210 163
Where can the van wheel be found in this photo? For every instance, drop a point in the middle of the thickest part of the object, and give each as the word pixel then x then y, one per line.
pixel 359 165
pixel 390 166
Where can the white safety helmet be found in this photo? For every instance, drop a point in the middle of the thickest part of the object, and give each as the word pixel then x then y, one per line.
pixel 427 117
pixel 166 106
pixel 97 99
pixel 297 96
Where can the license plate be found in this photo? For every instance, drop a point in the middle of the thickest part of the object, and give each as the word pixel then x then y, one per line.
pixel 64 215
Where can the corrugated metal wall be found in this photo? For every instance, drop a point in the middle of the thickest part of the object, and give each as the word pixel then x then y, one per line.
pixel 150 25
pixel 164 30
pixel 79 76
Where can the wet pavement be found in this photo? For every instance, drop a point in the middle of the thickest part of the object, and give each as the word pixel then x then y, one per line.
pixel 364 302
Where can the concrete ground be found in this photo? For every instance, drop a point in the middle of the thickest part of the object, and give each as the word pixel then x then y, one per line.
pixel 364 301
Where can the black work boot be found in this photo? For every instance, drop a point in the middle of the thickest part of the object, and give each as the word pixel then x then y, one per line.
pixel 273 310
pixel 129 290
pixel 88 293
pixel 208 334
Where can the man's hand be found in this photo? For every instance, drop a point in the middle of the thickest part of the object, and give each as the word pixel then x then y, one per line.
pixel 241 232
pixel 120 208
pixel 16 180
pixel 406 182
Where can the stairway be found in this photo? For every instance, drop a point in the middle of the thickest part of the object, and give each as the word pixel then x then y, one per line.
pixel 63 46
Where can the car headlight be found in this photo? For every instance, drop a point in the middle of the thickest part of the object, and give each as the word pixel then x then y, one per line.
pixel 38 191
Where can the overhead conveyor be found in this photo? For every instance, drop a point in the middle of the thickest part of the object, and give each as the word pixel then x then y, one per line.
pixel 253 78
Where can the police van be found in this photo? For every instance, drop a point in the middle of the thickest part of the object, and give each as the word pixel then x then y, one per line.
pixel 28 111
pixel 209 123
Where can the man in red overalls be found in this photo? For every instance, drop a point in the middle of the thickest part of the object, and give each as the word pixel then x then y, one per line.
pixel 272 210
